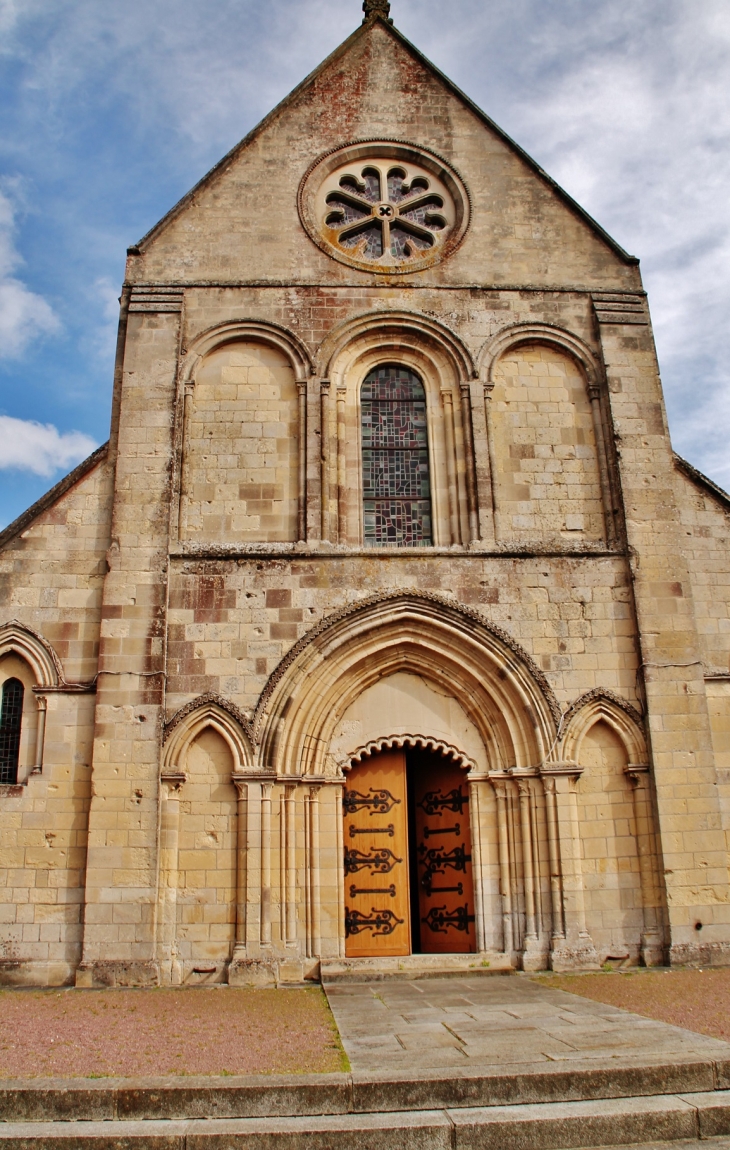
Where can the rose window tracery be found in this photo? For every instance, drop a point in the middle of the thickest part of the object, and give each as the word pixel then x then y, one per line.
pixel 384 209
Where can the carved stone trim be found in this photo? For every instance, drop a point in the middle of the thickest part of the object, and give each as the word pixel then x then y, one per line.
pixel 37 652
pixel 202 701
pixel 598 693
pixel 415 596
pixel 422 742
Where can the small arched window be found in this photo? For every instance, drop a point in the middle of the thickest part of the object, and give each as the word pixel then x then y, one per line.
pixel 11 717
pixel 395 470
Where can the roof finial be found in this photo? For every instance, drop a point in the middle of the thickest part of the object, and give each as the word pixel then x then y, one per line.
pixel 373 8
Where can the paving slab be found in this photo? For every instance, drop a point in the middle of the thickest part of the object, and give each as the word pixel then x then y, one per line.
pixel 436 1023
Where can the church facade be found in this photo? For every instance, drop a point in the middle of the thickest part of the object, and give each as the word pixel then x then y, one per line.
pixel 386 631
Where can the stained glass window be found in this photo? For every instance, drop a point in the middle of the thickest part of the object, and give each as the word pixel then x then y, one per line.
pixel 11 717
pixel 395 479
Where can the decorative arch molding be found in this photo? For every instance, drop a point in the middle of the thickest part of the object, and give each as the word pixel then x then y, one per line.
pixel 501 690
pixel 207 712
pixel 258 331
pixel 418 742
pixel 210 699
pixel 604 705
pixel 521 333
pixel 395 330
pixel 18 639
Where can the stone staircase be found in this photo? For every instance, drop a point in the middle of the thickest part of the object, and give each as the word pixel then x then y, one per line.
pixel 679 1103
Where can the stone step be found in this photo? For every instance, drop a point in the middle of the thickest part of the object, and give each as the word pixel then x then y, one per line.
pixel 547 1126
pixel 410 966
pixel 129 1100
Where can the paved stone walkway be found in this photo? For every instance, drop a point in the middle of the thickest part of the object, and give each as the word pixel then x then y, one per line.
pixel 496 1021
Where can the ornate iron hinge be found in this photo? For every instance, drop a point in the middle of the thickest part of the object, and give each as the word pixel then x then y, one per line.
pixel 437 861
pixel 380 861
pixel 440 921
pixel 380 922
pixel 380 802
pixel 434 802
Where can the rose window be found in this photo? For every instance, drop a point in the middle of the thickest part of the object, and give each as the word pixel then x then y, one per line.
pixel 393 210
pixel 385 210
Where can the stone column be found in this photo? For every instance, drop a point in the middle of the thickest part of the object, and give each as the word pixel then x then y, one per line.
pixel 182 498
pixel 488 389
pixel 556 891
pixel 40 734
pixel 324 421
pixel 477 871
pixel 652 938
pixel 505 884
pixel 314 872
pixel 241 784
pixel 170 786
pixel 291 874
pixel 454 524
pixel 594 394
pixel 577 951
pixel 531 958
pixel 302 462
pixel 341 466
pixel 471 478
pixel 266 789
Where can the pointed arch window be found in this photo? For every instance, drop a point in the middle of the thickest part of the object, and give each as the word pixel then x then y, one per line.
pixel 11 716
pixel 395 465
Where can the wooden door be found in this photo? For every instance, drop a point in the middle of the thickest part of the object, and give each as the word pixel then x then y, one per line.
pixel 375 809
pixel 443 856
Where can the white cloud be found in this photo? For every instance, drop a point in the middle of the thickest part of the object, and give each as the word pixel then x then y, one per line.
pixel 39 447
pixel 24 315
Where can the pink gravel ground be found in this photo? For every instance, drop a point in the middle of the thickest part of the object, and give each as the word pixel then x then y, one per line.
pixel 139 1033
pixel 696 999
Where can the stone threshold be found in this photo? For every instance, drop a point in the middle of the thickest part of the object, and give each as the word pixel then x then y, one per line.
pixel 667 1119
pixel 413 966
pixel 128 1100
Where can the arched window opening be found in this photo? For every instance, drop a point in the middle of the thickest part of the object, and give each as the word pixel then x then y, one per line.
pixel 395 468
pixel 11 718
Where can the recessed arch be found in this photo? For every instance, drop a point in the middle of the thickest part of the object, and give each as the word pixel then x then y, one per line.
pixel 519 334
pixel 445 366
pixel 395 329
pixel 497 685
pixel 603 705
pixel 45 665
pixel 243 330
pixel 207 712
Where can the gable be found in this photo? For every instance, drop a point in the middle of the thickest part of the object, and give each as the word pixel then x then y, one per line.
pixel 241 223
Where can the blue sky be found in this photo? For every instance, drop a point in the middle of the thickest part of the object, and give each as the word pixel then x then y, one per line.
pixel 109 112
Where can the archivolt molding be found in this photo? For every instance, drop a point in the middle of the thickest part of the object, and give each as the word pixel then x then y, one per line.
pixel 394 331
pixel 210 699
pixel 499 687
pixel 18 639
pixel 256 330
pixel 522 333
pixel 602 704
pixel 207 712
pixel 418 742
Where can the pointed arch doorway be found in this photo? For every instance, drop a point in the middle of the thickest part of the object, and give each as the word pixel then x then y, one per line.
pixel 408 856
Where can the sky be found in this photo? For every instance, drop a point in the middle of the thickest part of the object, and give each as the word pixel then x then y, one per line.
pixel 109 112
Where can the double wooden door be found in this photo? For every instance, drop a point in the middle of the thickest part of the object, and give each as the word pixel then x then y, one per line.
pixel 408 876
